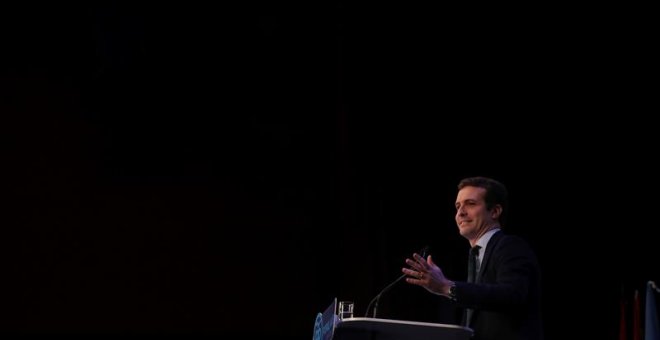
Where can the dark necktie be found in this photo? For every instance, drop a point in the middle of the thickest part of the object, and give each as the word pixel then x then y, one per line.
pixel 473 264
pixel 473 270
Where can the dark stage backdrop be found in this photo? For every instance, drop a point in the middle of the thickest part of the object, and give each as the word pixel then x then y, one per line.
pixel 189 170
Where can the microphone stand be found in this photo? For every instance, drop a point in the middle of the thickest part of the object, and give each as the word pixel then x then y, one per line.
pixel 376 299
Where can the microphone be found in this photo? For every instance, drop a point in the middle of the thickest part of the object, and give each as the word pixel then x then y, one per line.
pixel 375 300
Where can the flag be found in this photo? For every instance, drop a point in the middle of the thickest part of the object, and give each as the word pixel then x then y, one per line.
pixel 622 320
pixel 651 329
pixel 637 321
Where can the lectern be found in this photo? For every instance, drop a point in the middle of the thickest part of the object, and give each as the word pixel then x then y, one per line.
pixel 386 329
pixel 329 327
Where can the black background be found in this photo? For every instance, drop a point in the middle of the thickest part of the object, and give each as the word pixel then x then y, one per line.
pixel 203 170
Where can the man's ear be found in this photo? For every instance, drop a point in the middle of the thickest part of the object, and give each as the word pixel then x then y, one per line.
pixel 496 211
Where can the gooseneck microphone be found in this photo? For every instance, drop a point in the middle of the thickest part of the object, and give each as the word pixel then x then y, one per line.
pixel 375 300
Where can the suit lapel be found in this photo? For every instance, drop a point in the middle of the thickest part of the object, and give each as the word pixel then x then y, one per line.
pixel 490 247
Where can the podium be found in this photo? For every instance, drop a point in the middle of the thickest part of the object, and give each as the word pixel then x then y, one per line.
pixel 328 326
pixel 386 329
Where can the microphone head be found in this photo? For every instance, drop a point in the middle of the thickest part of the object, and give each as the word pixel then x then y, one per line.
pixel 425 251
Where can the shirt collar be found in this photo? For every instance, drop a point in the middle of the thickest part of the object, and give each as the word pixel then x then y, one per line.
pixel 483 240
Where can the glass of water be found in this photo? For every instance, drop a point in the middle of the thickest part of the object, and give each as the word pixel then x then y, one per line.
pixel 345 310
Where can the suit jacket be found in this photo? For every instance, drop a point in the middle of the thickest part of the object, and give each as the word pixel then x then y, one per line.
pixel 507 292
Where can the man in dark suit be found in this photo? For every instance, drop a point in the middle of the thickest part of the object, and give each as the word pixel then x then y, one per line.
pixel 502 294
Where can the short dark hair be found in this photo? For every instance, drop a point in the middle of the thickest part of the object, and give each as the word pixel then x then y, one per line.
pixel 496 192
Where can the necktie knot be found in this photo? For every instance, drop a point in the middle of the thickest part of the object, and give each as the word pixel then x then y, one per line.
pixel 474 251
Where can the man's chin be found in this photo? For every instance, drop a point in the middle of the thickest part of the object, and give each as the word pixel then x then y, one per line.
pixel 465 231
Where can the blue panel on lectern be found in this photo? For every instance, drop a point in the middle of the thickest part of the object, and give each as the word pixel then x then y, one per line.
pixel 324 326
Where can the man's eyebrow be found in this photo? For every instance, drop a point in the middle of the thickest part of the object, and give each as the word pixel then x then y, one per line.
pixel 467 200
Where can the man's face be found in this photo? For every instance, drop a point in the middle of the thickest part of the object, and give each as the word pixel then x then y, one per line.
pixel 472 216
